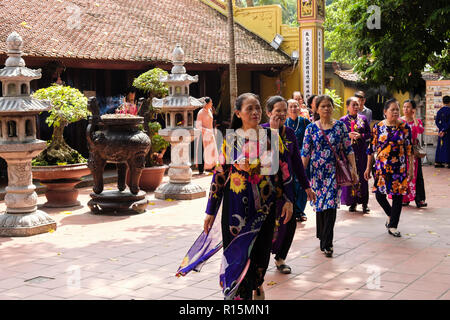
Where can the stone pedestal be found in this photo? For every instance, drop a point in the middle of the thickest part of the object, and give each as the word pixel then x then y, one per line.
pixel 22 217
pixel 180 191
pixel 115 202
pixel 180 186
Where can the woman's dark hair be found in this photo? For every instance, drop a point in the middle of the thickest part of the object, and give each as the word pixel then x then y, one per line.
pixel 446 99
pixel 310 100
pixel 388 103
pixel 130 89
pixel 207 100
pixel 413 103
pixel 322 98
pixel 271 101
pixel 347 103
pixel 236 122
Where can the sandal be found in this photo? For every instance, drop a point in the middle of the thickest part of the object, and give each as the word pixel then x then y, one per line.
pixel 284 268
pixel 396 234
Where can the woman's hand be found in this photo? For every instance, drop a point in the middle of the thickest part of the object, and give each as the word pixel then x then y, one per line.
pixel 207 224
pixel 354 135
pixel 311 195
pixel 243 165
pixel 367 174
pixel 287 211
pixel 275 122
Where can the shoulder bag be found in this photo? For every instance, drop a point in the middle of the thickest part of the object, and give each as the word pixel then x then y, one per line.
pixel 343 171
pixel 418 150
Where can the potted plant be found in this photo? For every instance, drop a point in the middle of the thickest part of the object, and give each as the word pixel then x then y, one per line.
pixel 153 173
pixel 60 167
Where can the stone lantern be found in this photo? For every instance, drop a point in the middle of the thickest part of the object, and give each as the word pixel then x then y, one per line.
pixel 18 145
pixel 178 110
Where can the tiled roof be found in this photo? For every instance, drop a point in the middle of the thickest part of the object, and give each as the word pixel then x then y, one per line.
pixel 349 75
pixel 431 76
pixel 129 30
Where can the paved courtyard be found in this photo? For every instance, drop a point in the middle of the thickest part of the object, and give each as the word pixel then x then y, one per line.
pixel 136 257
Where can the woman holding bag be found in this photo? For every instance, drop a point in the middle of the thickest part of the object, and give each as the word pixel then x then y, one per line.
pixel 416 187
pixel 324 141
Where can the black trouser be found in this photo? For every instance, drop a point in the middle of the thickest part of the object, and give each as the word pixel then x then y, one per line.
pixel 325 221
pixel 394 211
pixel 291 226
pixel 420 184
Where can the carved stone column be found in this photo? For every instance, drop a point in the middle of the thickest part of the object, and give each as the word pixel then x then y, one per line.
pixel 22 217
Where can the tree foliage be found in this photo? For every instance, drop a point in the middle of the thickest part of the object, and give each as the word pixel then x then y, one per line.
pixel 149 83
pixel 412 34
pixel 339 33
pixel 68 104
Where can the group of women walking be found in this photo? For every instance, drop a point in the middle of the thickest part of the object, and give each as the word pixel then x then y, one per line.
pixel 267 172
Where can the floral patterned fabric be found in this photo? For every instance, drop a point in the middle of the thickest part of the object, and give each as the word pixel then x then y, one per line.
pixel 252 196
pixel 415 131
pixel 323 162
pixel 393 146
pixel 360 192
pixel 292 164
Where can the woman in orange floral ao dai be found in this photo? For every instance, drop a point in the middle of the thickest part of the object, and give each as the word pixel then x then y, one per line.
pixel 392 143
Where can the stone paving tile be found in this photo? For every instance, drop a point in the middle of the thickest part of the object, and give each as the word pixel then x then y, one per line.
pixel 109 292
pixel 364 294
pixel 150 292
pixel 409 294
pixel 25 291
pixel 43 297
pixel 398 277
pixel 282 293
pixel 323 294
pixel 11 283
pixel 95 282
pixel 116 275
pixel 198 293
pixel 445 296
pixel 428 286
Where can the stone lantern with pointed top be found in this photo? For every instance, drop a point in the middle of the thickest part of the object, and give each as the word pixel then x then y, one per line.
pixel 18 145
pixel 178 110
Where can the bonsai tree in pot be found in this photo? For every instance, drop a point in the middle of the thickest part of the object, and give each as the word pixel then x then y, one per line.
pixel 149 83
pixel 59 166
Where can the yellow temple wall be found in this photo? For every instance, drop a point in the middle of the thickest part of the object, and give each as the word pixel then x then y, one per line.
pixel 266 22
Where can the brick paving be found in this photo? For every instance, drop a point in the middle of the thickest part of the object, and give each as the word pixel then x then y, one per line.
pixel 136 256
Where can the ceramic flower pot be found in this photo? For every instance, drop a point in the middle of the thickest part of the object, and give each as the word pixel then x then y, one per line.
pixel 61 182
pixel 151 177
